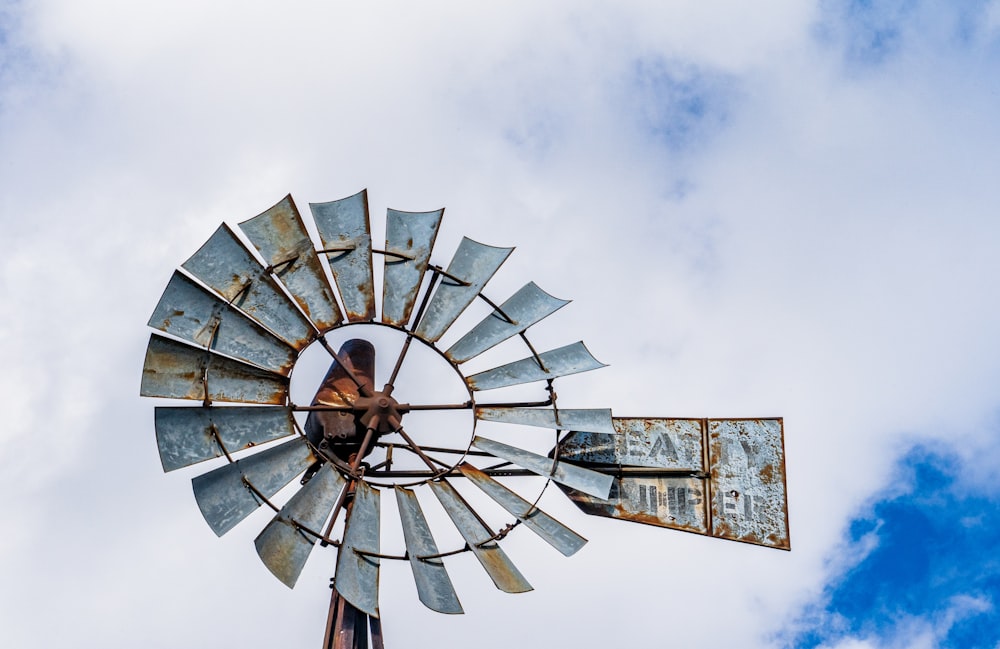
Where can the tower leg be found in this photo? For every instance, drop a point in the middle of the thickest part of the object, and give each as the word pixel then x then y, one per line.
pixel 347 627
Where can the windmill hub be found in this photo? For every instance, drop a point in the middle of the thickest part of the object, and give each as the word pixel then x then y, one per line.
pixel 382 409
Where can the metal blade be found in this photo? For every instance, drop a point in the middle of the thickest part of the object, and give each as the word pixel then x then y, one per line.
pixel 597 421
pixel 224 264
pixel 558 362
pixel 175 370
pixel 552 531
pixel 433 584
pixel 188 311
pixel 411 235
pixel 283 546
pixel 474 264
pixel 498 566
pixel 524 308
pixel 747 465
pixel 579 478
pixel 186 436
pixel 281 238
pixel 223 495
pixel 357 574
pixel 345 232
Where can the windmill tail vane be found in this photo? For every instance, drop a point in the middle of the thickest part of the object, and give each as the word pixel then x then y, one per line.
pixel 234 320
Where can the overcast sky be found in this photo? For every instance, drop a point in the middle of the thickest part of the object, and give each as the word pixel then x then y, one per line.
pixel 759 209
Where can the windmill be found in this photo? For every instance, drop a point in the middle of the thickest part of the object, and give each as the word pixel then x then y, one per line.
pixel 235 319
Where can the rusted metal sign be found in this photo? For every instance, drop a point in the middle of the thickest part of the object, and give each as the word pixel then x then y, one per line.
pixel 718 477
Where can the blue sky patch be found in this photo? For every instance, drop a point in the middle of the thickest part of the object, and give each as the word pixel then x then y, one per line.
pixel 933 568
pixel 679 105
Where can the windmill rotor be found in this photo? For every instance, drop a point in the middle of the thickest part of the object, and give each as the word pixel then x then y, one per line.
pixel 234 321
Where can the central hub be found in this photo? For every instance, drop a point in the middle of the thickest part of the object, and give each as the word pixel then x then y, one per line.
pixel 380 412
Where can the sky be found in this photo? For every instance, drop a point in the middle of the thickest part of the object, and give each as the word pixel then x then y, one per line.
pixel 780 208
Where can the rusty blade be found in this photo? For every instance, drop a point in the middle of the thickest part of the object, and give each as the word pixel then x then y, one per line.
pixel 433 584
pixel 523 309
pixel 498 566
pixel 175 370
pixel 409 239
pixel 579 478
pixel 665 501
pixel 357 573
pixel 596 421
pixel 747 465
pixel 549 529
pixel 473 264
pixel 283 545
pixel 281 238
pixel 640 441
pixel 345 232
pixel 186 435
pixel 188 311
pixel 570 359
pixel 225 265
pixel 223 495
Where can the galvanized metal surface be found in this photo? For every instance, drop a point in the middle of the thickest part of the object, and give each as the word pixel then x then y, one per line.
pixel 637 441
pixel 549 529
pixel 596 421
pixel 474 264
pixel 283 546
pixel 224 264
pixel 570 359
pixel 526 307
pixel 410 235
pixel 748 481
pixel 498 566
pixel 188 311
pixel 186 435
pixel 345 232
pixel 357 574
pixel 579 478
pixel 175 370
pixel 224 498
pixel 674 502
pixel 735 488
pixel 281 238
pixel 434 586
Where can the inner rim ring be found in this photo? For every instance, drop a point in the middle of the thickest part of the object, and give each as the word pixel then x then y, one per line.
pixel 389 482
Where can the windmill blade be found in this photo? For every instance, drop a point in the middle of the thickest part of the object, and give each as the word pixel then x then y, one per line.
pixel 498 566
pixel 188 311
pixel 570 359
pixel 524 308
pixel 473 264
pixel 579 478
pixel 733 487
pixel 357 574
pixel 174 370
pixel 549 529
pixel 346 234
pixel 186 435
pixel 223 495
pixel 598 421
pixel 225 265
pixel 410 235
pixel 283 545
pixel 433 584
pixel 281 238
